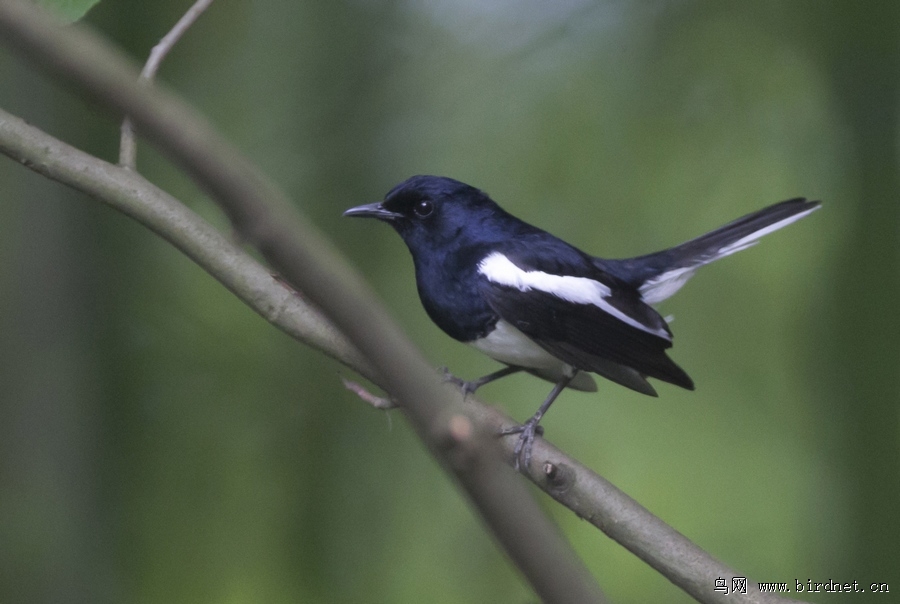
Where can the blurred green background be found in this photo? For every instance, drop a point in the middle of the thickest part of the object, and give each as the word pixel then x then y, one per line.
pixel 159 442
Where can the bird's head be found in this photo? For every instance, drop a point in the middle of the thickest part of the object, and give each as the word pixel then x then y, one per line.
pixel 433 211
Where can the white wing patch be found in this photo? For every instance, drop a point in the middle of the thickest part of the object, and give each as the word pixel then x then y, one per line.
pixel 580 290
pixel 499 269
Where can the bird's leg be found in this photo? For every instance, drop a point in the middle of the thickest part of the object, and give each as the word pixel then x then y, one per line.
pixel 470 387
pixel 528 430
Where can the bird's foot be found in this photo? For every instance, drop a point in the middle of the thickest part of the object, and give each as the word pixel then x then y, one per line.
pixel 527 433
pixel 470 387
pixel 466 387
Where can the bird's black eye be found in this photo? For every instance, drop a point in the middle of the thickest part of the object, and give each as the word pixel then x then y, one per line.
pixel 423 209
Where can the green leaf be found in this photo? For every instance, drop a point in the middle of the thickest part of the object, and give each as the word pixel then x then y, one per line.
pixel 68 10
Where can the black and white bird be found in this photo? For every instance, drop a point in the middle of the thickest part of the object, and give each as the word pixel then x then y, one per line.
pixel 537 304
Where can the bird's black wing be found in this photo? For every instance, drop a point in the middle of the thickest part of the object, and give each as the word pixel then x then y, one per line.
pixel 556 296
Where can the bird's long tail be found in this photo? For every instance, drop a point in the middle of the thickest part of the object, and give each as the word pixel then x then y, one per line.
pixel 661 274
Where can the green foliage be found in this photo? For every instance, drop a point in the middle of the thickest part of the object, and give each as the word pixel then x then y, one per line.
pixel 68 10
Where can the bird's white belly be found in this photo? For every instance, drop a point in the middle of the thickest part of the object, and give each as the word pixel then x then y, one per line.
pixel 509 345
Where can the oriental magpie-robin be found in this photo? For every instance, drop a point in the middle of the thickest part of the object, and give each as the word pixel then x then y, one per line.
pixel 537 304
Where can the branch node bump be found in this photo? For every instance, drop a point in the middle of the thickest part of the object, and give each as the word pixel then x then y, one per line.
pixel 559 477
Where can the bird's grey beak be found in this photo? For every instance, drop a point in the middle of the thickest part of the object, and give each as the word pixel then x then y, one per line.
pixel 373 210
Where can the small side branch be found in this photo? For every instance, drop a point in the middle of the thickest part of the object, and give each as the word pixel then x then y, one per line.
pixel 379 402
pixel 128 142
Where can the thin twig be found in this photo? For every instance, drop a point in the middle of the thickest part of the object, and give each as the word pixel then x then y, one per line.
pixel 128 142
pixel 160 51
